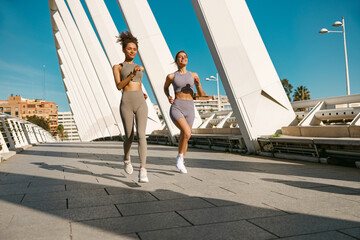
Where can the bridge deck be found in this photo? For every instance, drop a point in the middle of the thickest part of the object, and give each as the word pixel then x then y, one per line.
pixel 79 191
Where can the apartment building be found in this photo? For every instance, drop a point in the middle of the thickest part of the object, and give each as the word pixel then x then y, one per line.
pixel 23 108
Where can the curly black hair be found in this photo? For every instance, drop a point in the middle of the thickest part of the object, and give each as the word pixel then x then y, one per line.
pixel 126 37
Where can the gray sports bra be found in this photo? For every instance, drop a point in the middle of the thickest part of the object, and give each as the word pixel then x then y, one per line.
pixel 127 69
pixel 183 82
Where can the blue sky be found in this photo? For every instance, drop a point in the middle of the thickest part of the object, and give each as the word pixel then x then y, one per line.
pixel 289 30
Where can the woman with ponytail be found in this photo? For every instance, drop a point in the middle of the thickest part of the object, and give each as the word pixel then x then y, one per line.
pixel 128 77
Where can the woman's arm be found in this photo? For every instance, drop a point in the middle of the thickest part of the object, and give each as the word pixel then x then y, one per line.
pixel 121 83
pixel 199 89
pixel 168 81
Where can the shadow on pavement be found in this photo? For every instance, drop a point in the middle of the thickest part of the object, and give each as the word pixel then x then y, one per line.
pixel 35 207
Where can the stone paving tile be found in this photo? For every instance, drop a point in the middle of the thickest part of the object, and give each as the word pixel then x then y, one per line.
pixel 354 232
pixel 64 194
pixel 30 217
pixel 296 224
pixel 332 235
pixel 167 194
pixel 12 198
pixel 111 199
pixel 88 213
pixel 227 213
pixel 84 232
pixel 11 179
pixel 38 233
pixel 220 231
pixel 134 224
pixel 162 206
pixel 46 205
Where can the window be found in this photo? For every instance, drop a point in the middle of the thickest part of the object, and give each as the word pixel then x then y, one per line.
pixel 16 113
pixel 1 109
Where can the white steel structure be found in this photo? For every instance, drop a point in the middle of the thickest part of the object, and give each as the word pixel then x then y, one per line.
pixel 258 101
pixel 154 53
pixel 70 130
pixel 247 73
pixel 17 133
pixel 107 32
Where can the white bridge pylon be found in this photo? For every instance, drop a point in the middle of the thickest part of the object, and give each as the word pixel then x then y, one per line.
pixel 250 80
pixel 257 97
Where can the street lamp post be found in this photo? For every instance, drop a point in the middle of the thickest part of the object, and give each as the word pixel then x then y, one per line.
pixel 212 78
pixel 338 24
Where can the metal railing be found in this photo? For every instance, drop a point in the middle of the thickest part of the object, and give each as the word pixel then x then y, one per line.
pixel 17 133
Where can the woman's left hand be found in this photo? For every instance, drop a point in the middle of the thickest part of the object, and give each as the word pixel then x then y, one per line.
pixel 196 80
pixel 145 96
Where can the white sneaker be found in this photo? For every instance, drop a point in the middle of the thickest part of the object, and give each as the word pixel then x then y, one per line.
pixel 128 167
pixel 180 164
pixel 143 176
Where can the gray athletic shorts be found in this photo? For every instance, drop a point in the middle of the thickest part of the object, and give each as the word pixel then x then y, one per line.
pixel 183 109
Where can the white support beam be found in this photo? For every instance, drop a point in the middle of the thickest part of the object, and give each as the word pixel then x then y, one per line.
pixel 85 125
pixel 18 132
pixel 103 88
pixel 310 119
pixel 251 83
pixel 107 31
pixel 92 95
pixel 22 133
pixel 26 133
pixel 223 121
pixel 154 54
pixel 98 58
pixel 356 121
pixel 4 147
pixel 86 129
pixel 14 134
pixel 82 88
pixel 207 121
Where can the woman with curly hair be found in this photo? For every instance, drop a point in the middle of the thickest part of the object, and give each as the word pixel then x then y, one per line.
pixel 128 77
pixel 182 111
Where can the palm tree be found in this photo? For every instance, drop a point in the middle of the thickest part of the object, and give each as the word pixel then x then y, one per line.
pixel 60 130
pixel 301 93
pixel 287 87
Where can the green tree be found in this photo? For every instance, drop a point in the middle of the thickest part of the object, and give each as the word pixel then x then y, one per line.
pixel 60 130
pixel 41 122
pixel 301 93
pixel 287 87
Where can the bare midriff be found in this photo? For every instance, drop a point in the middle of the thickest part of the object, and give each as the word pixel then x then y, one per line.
pixel 184 95
pixel 133 86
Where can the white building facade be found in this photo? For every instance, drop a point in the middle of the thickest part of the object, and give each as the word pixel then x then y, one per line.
pixel 204 105
pixel 70 130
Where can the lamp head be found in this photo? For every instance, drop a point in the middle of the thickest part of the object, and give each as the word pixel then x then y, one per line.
pixel 323 30
pixel 337 24
pixel 208 79
pixel 212 77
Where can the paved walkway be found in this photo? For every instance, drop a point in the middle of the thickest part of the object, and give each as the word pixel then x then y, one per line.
pixel 79 191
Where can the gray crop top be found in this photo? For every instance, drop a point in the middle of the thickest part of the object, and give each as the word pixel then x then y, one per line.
pixel 127 69
pixel 183 82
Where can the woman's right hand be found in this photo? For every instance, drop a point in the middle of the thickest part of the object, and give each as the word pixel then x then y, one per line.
pixel 136 69
pixel 171 100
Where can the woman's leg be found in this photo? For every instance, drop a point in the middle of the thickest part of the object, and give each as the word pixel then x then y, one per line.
pixel 185 134
pixel 127 117
pixel 141 120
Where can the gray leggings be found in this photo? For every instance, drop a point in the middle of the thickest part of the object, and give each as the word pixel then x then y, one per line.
pixel 133 105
